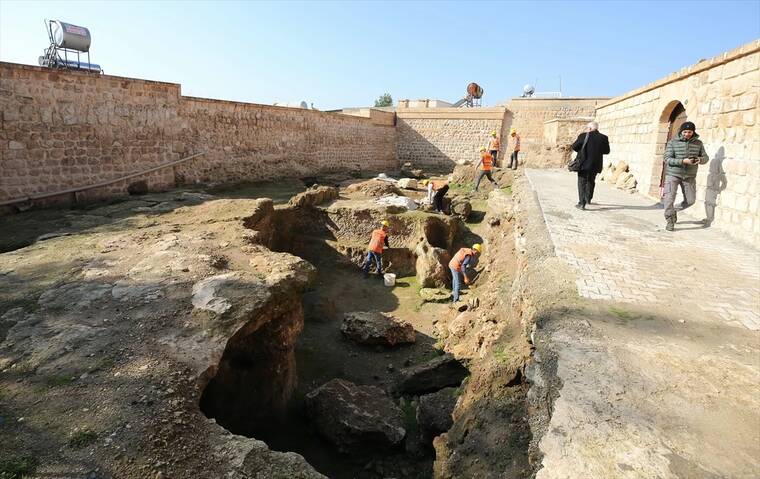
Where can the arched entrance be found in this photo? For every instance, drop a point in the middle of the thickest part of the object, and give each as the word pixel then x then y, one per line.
pixel 671 119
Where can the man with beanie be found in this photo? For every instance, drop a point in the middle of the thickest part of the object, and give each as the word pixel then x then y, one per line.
pixel 683 155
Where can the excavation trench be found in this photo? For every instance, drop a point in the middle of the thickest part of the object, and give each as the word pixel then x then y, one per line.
pixel 268 378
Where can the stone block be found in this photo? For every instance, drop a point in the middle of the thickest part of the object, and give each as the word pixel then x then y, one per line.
pixel 16 145
pixel 748 118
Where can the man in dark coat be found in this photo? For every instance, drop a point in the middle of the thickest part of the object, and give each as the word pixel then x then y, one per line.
pixel 591 146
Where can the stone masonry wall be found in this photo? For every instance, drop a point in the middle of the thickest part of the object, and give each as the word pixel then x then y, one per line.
pixel 436 139
pixel 529 116
pixel 721 97
pixel 64 130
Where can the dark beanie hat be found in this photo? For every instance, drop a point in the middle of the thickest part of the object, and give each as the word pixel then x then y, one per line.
pixel 687 125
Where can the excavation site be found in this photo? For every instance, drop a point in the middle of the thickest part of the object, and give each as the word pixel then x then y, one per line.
pixel 423 289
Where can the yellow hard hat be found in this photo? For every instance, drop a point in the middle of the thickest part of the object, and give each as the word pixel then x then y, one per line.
pixel 424 182
pixel 512 130
pixel 478 247
pixel 385 223
pixel 493 132
pixel 482 148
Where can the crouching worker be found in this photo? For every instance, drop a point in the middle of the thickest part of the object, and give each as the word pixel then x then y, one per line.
pixel 436 191
pixel 458 264
pixel 375 250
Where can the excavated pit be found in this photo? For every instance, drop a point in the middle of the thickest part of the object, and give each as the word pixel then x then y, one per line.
pixel 262 382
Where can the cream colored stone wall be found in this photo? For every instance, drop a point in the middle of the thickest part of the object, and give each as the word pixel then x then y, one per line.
pixel 721 97
pixel 64 130
pixel 529 116
pixel 436 139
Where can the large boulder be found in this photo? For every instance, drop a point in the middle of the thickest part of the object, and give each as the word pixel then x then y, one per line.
pixel 460 206
pixel 377 328
pixel 316 195
pixel 436 374
pixel 431 265
pixel 621 168
pixel 626 181
pixel 374 188
pixel 352 416
pixel 434 411
pixel 407 183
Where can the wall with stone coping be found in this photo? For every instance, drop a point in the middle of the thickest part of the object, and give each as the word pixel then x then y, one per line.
pixel 63 130
pixel 720 96
pixel 438 138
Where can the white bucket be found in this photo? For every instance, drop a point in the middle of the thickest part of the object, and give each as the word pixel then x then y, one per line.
pixel 389 279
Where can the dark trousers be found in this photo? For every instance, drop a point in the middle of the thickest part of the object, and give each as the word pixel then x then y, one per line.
pixel 438 198
pixel 377 258
pixel 586 183
pixel 494 156
pixel 487 174
pixel 513 160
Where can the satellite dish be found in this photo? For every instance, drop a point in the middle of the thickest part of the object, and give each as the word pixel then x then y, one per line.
pixel 529 90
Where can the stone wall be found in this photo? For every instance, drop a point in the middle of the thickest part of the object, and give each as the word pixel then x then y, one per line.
pixel 529 116
pixel 437 138
pixel 720 96
pixel 64 130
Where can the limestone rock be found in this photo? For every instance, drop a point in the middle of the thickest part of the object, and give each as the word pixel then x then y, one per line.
pixel 352 416
pixel 462 323
pixel 619 169
pixel 461 206
pixel 407 183
pixel 375 327
pixel 206 294
pixel 436 374
pixel 431 265
pixel 434 411
pixel 434 295
pixel 316 195
pixel 626 181
pixel 375 188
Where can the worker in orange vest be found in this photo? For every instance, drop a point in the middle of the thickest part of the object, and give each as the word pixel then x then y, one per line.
pixel 458 264
pixel 485 165
pixel 494 145
pixel 436 191
pixel 375 250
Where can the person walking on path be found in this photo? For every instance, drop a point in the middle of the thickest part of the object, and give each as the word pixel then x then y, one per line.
pixel 591 147
pixel 515 148
pixel 484 167
pixel 436 191
pixel 683 155
pixel 458 265
pixel 375 250
pixel 494 145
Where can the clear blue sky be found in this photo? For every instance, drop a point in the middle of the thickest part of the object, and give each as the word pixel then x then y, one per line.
pixel 338 54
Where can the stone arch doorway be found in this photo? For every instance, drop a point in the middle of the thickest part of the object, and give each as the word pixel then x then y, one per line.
pixel 671 119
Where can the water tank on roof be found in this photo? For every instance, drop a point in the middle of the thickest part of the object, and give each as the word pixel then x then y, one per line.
pixel 474 90
pixel 72 37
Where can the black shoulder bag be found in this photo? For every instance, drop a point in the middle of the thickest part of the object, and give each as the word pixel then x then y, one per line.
pixel 575 165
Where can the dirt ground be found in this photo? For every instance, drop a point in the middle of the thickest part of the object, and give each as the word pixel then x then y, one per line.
pixel 102 349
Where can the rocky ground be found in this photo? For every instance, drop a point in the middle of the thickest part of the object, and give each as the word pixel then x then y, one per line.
pixel 122 324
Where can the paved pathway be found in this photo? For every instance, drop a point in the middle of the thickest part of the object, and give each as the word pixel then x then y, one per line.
pixel 621 251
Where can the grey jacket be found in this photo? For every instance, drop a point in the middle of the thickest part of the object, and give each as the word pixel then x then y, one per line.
pixel 680 148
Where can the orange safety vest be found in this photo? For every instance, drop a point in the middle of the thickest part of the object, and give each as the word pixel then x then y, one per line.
pixel 487 161
pixel 494 145
pixel 456 261
pixel 378 241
